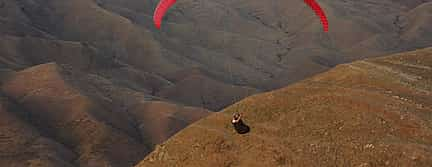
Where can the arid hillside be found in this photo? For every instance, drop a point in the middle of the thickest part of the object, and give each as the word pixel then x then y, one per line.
pixel 55 116
pixel 374 112
pixel 93 83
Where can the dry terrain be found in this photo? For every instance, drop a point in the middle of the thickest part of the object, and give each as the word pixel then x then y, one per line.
pixel 92 83
pixel 375 112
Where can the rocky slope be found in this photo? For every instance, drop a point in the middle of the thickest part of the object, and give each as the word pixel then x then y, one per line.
pixel 375 112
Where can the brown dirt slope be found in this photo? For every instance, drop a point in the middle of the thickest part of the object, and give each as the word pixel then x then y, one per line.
pixel 21 145
pixel 200 90
pixel 65 115
pixel 98 133
pixel 154 118
pixel 376 112
pixel 21 52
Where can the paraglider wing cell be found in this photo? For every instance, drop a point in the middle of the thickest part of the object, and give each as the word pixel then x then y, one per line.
pixel 160 11
pixel 319 12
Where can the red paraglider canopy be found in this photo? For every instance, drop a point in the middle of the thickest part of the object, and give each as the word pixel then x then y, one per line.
pixel 319 12
pixel 160 11
pixel 164 5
